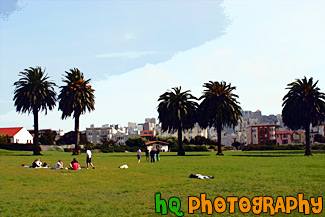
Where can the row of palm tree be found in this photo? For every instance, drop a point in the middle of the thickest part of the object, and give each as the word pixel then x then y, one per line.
pixel 303 105
pixel 34 92
pixel 219 108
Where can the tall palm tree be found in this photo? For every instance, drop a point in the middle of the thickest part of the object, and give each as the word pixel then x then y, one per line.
pixel 303 105
pixel 76 97
pixel 177 112
pixel 34 93
pixel 219 108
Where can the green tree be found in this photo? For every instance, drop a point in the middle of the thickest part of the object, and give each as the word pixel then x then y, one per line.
pixel 319 138
pixel 76 97
pixel 219 108
pixel 303 106
pixel 4 139
pixel 136 142
pixel 34 93
pixel 177 113
pixel 69 138
pixel 48 138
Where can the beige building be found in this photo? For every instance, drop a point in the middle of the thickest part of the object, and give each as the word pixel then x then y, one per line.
pixel 97 135
pixel 188 134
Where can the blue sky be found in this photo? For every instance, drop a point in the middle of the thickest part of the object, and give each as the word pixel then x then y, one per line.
pixel 135 50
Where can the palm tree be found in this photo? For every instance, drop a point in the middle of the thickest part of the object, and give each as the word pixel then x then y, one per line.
pixel 219 108
pixel 177 112
pixel 34 93
pixel 75 98
pixel 303 105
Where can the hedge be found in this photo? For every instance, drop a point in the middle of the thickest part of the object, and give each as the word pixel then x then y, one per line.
pixel 17 147
pixel 190 148
pixel 284 147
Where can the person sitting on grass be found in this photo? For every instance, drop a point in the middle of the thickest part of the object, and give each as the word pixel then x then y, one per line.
pixel 59 165
pixel 74 165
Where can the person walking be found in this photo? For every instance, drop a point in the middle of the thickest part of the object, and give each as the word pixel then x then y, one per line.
pixel 88 159
pixel 139 155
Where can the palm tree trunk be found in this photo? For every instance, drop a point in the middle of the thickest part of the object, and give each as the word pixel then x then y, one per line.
pixel 37 148
pixel 77 136
pixel 181 151
pixel 308 149
pixel 219 128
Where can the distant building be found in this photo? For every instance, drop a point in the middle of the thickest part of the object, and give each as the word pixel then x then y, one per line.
pixel 151 120
pixel 97 135
pixel 17 135
pixel 284 137
pixel 188 134
pixel 260 134
pixel 120 138
pixel 148 134
pixel 293 137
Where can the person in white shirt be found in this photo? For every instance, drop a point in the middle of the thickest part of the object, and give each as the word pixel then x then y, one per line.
pixel 139 155
pixel 88 160
pixel 59 165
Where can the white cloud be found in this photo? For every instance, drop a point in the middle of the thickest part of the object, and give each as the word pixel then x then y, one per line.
pixel 126 54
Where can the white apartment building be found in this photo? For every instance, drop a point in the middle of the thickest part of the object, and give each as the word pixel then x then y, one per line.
pixel 97 135
pixel 188 134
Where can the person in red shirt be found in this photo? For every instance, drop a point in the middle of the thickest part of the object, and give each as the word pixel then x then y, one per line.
pixel 74 165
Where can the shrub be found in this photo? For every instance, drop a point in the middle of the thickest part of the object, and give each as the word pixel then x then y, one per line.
pixel 56 148
pixel 273 147
pixel 90 146
pixel 228 148
pixel 318 147
pixel 17 147
pixel 191 148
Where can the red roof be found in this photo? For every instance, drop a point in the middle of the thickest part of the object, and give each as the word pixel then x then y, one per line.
pixel 10 131
pixel 153 142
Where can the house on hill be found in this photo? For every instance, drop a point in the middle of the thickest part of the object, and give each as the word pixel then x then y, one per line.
pixel 17 135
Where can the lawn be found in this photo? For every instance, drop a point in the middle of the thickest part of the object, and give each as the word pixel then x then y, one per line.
pixel 110 191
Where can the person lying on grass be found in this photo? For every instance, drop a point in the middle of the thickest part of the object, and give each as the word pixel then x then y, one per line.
pixel 38 164
pixel 199 176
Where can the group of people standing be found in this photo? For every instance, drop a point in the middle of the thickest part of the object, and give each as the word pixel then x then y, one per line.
pixel 154 154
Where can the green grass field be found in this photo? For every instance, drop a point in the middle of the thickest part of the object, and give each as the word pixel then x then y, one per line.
pixel 110 191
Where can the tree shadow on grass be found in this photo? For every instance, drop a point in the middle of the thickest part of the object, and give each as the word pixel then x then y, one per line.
pixel 278 153
pixel 161 155
pixel 186 155
pixel 17 154
pixel 267 155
